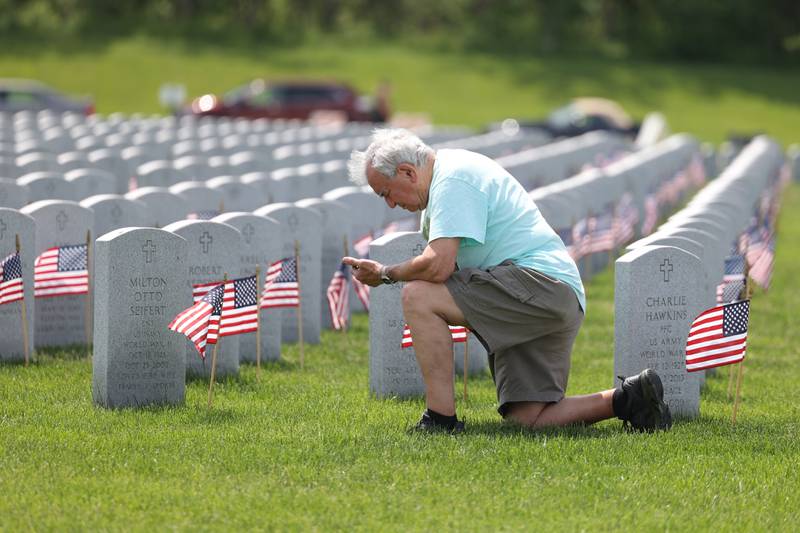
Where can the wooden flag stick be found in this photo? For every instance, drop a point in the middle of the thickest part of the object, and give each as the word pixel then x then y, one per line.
pixel 88 306
pixel 466 363
pixel 299 303
pixel 24 309
pixel 258 326
pixel 740 376
pixel 738 391
pixel 213 374
pixel 347 311
pixel 214 359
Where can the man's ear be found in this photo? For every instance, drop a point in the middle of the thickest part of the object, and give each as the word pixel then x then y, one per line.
pixel 409 170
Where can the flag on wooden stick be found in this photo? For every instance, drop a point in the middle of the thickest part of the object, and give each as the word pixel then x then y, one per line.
pixel 200 322
pixel 338 301
pixel 281 288
pixel 718 336
pixel 61 270
pixel 11 279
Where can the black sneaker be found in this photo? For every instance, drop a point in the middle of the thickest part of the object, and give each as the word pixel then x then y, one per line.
pixel 640 404
pixel 427 424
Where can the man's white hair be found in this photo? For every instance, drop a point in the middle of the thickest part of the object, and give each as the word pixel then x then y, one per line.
pixel 389 148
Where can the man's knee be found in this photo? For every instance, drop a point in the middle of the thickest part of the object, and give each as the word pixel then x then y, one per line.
pixel 415 296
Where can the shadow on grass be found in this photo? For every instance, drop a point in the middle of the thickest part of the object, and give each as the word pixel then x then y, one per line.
pixel 504 430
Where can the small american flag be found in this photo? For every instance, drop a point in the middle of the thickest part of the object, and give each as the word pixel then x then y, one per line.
pixel 362 291
pixel 718 336
pixel 458 333
pixel 200 322
pixel 625 221
pixel 581 238
pixel 601 233
pixel 61 270
pixel 651 212
pixel 11 279
pixel 239 307
pixel 760 253
pixel 733 281
pixel 280 286
pixel 761 271
pixel 338 291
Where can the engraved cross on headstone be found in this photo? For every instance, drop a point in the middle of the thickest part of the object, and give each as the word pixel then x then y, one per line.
pixel 248 231
pixel 3 228
pixel 149 250
pixel 61 219
pixel 666 268
pixel 205 241
pixel 293 221
pixel 418 249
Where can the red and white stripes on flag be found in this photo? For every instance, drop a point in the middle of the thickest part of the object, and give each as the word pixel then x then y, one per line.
pixel 458 333
pixel 718 336
pixel 61 270
pixel 338 299
pixel 239 305
pixel 201 322
pixel 281 288
pixel 362 291
pixel 11 279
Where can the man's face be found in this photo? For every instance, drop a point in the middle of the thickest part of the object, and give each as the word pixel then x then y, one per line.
pixel 401 190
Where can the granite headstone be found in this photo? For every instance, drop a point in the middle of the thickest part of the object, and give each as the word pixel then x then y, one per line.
pixel 213 250
pixel 13 223
pixel 262 244
pixel 60 321
pixel 140 286
pixel 658 293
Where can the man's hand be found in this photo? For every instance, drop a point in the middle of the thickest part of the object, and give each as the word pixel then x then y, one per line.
pixel 364 270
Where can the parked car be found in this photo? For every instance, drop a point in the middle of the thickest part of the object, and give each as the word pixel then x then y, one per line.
pixel 582 115
pixel 290 100
pixel 29 95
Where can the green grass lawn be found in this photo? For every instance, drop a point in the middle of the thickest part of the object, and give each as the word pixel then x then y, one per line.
pixel 708 101
pixel 309 449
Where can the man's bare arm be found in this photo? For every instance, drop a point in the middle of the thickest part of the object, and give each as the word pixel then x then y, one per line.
pixel 435 264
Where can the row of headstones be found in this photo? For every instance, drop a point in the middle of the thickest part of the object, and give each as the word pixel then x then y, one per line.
pixel 148 168
pixel 157 207
pixel 66 132
pixel 393 369
pixel 556 161
pixel 319 226
pixel 544 164
pixel 289 184
pixel 669 277
pixel 57 150
pixel 636 189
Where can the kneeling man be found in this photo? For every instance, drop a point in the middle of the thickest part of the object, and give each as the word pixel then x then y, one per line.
pixel 494 265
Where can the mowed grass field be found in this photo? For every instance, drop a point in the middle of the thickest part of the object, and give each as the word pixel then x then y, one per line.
pixel 309 449
pixel 709 101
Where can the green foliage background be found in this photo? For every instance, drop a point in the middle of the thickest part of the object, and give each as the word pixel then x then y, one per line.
pixel 711 30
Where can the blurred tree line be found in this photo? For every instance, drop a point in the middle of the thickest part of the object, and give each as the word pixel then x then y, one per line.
pixel 707 30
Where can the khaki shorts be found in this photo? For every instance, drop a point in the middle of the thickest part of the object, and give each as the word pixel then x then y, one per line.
pixel 527 322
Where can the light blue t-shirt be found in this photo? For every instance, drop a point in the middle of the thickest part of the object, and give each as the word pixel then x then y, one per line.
pixel 474 198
